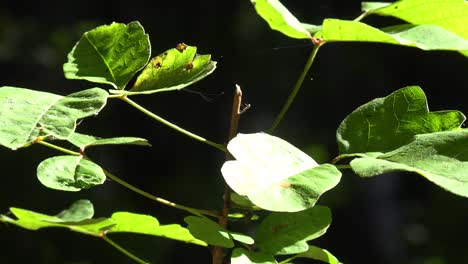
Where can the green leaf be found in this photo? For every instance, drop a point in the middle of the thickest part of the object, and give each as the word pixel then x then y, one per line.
pixel 279 18
pixel 384 124
pixel 83 141
pixel 288 233
pixel 110 54
pixel 27 114
pixel 120 222
pixel 127 222
pixel 440 157
pixel 242 256
pixel 78 211
pixel 274 174
pixel 319 254
pixel 213 234
pixel 172 70
pixel 70 173
pixel 426 37
pixel 369 6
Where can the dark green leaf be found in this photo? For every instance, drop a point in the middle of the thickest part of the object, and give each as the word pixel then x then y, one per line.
pixel 279 18
pixel 109 54
pixel 70 173
pixel 173 70
pixel 387 123
pixel 274 174
pixel 441 157
pixel 242 256
pixel 288 233
pixel 26 114
pixel 213 234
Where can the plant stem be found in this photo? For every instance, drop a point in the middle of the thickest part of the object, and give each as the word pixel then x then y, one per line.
pixel 194 211
pixel 171 125
pixel 50 145
pixel 362 16
pixel 218 252
pixel 123 250
pixel 296 88
pixel 343 167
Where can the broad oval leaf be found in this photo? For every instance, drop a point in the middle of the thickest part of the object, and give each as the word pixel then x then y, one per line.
pixel 83 141
pixel 173 70
pixel 441 157
pixel 110 54
pixel 384 124
pixel 213 234
pixel 287 233
pixel 319 254
pixel 274 174
pixel 242 256
pixel 279 18
pixel 27 114
pixel 70 173
pixel 426 37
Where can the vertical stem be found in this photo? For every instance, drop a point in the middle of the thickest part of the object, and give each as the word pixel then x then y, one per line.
pixel 296 88
pixel 218 252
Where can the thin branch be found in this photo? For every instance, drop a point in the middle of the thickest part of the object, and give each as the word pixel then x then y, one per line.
pixel 123 250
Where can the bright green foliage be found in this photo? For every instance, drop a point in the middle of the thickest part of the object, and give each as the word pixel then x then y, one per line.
pixel 213 234
pixel 319 254
pixel 426 37
pixel 274 174
pixel 110 54
pixel 83 141
pixel 79 219
pixel 173 70
pixel 384 124
pixel 70 173
pixel 440 157
pixel 279 18
pixel 368 6
pixel 287 233
pixel 242 256
pixel 27 114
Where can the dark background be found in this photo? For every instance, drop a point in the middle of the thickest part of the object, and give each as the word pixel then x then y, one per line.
pixel 388 219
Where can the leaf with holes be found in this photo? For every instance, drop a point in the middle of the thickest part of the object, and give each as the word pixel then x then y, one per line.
pixel 110 54
pixel 287 233
pixel 172 70
pixel 441 157
pixel 275 175
pixel 384 124
pixel 27 114
pixel 70 173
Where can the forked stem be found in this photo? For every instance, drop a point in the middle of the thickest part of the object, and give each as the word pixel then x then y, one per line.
pixel 171 125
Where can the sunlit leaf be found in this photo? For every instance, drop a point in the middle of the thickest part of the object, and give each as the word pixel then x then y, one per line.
pixel 212 233
pixel 319 254
pixel 384 124
pixel 274 174
pixel 440 157
pixel 27 114
pixel 426 37
pixel 70 173
pixel 110 54
pixel 242 256
pixel 173 70
pixel 287 233
pixel 279 18
pixel 83 141
pixel 368 6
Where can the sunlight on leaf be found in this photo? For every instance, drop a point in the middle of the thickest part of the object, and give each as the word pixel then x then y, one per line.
pixel 242 256
pixel 319 254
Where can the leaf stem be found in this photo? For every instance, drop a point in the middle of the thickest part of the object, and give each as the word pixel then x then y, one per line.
pixel 194 211
pixel 361 16
pixel 296 88
pixel 171 125
pixel 50 145
pixel 123 250
pixel 343 167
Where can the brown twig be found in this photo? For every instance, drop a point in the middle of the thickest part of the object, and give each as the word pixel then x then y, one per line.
pixel 218 252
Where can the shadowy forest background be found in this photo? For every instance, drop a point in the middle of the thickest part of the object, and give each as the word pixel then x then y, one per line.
pixel 389 219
